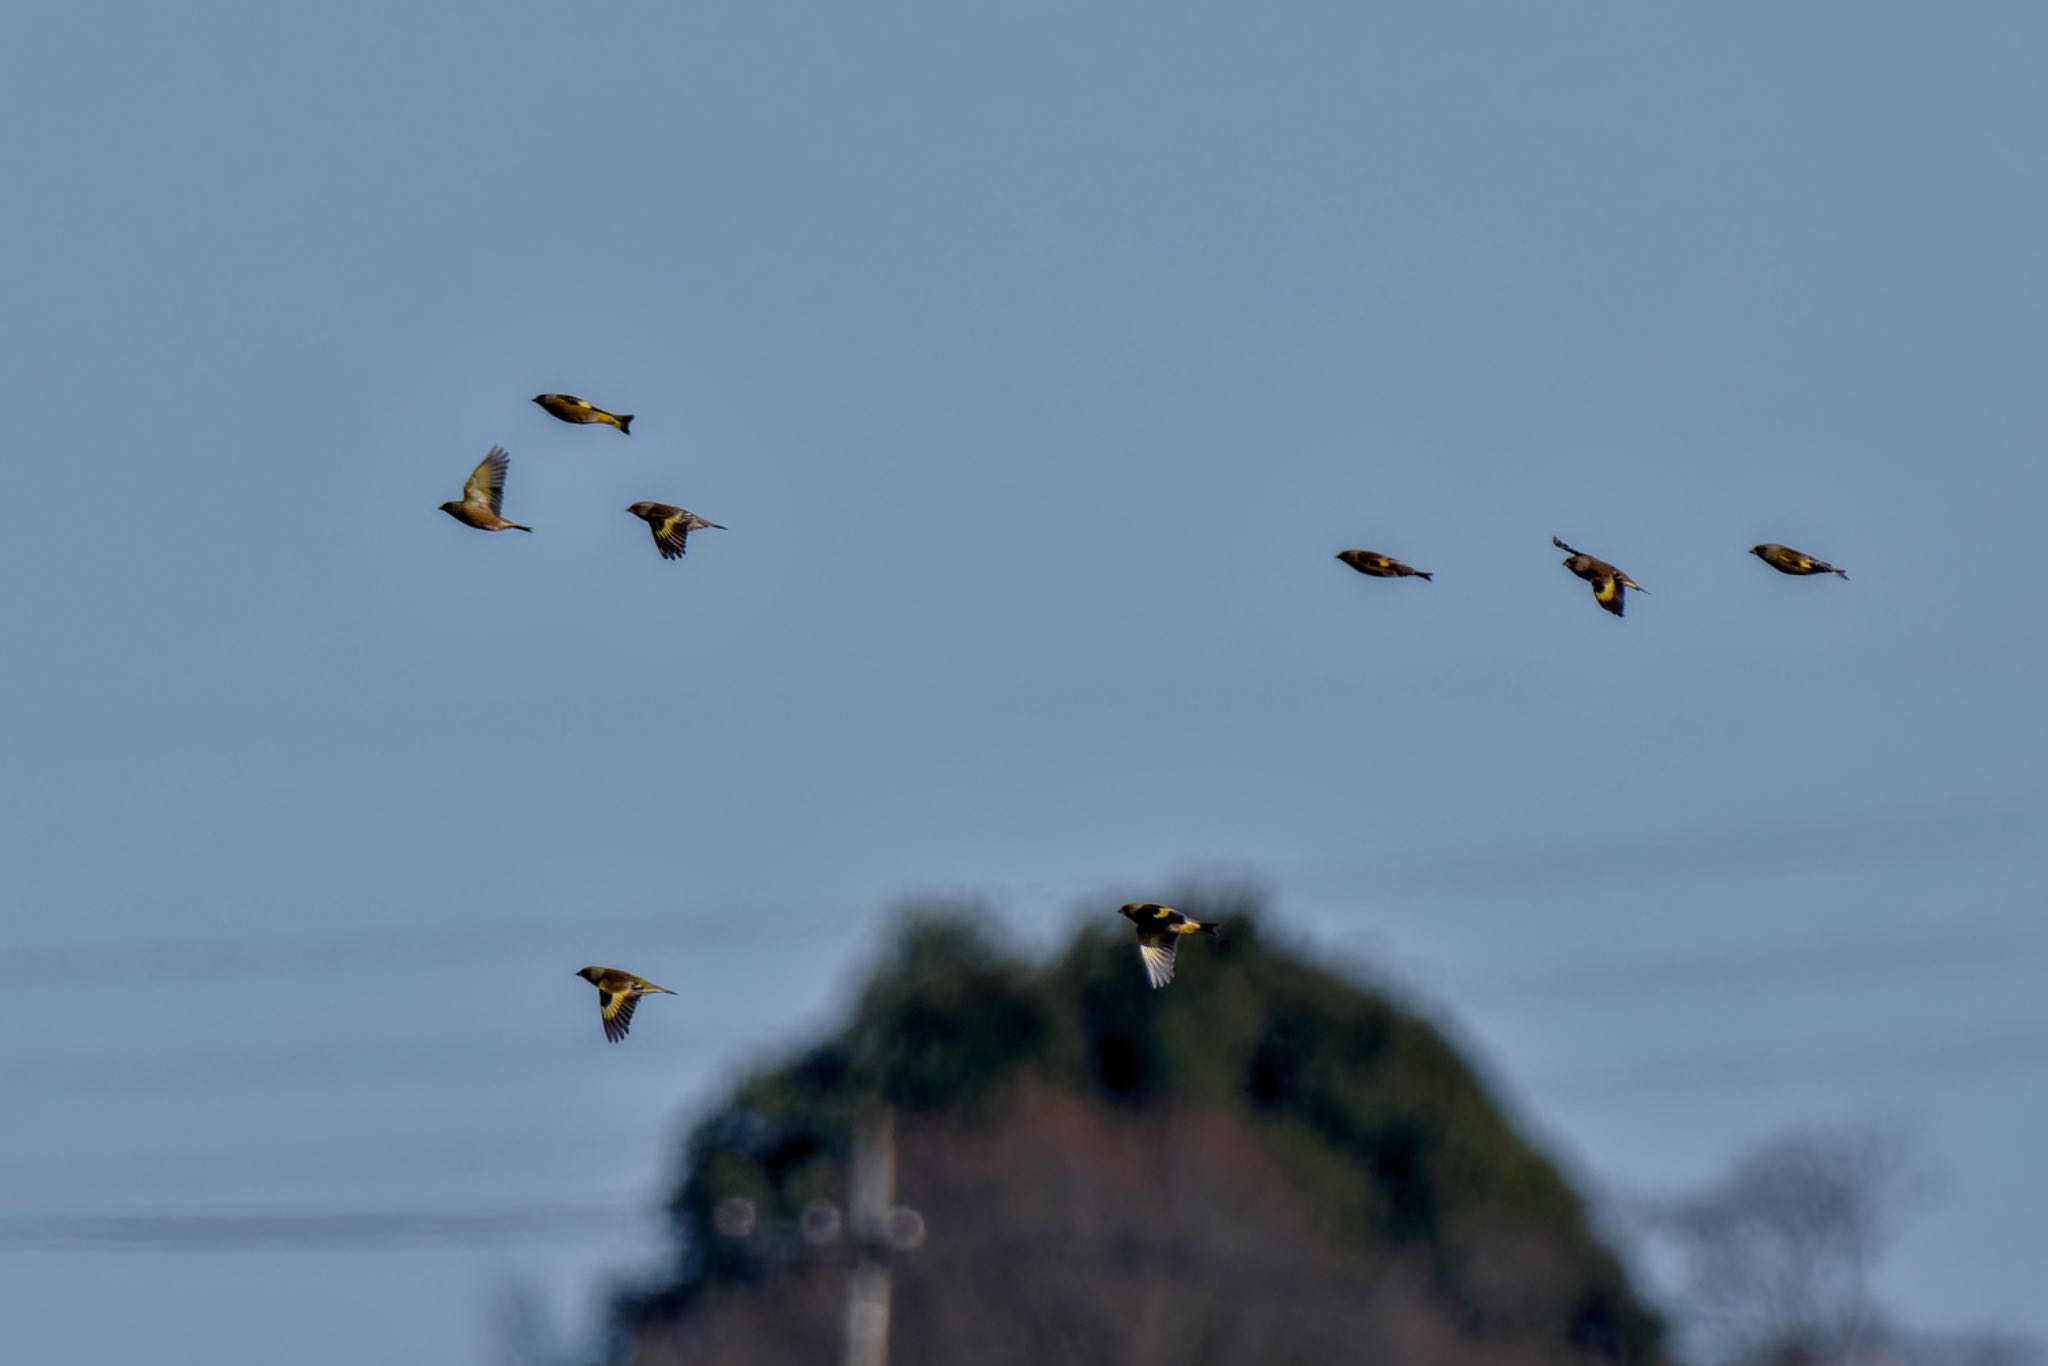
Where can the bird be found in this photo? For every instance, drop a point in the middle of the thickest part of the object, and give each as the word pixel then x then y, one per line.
pixel 617 993
pixel 570 408
pixel 1786 560
pixel 1380 566
pixel 671 526
pixel 482 493
pixel 1607 581
pixel 1159 930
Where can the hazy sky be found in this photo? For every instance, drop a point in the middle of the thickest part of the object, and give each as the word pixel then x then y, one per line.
pixel 1039 357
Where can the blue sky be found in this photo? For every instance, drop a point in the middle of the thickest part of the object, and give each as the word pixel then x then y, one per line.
pixel 1038 358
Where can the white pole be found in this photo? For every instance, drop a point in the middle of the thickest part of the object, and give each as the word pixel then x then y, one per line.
pixel 873 1192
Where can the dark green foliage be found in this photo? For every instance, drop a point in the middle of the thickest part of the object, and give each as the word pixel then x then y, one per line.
pixel 1389 1133
pixel 946 1018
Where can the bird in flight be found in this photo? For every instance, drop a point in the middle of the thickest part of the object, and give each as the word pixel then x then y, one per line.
pixel 570 408
pixel 1786 560
pixel 1607 581
pixel 482 494
pixel 671 526
pixel 1159 931
pixel 1380 566
pixel 617 993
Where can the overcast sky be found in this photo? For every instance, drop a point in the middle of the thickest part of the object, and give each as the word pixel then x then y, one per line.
pixel 1038 358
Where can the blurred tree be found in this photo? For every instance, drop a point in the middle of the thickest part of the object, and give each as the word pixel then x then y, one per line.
pixel 1263 1163
pixel 1776 1257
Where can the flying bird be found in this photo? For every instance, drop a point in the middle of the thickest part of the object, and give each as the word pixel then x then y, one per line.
pixel 671 526
pixel 1786 560
pixel 617 993
pixel 482 494
pixel 570 408
pixel 1380 566
pixel 1159 931
pixel 1607 581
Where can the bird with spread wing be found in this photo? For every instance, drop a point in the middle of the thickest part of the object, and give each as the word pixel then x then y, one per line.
pixel 671 526
pixel 1159 933
pixel 1608 582
pixel 617 993
pixel 482 495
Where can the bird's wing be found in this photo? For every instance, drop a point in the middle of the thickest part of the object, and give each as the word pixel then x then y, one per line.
pixel 1158 962
pixel 487 481
pixel 1607 592
pixel 615 1008
pixel 671 534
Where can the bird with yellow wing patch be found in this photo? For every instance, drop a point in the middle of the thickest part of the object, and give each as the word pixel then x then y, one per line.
pixel 671 526
pixel 1608 582
pixel 1160 929
pixel 617 993
pixel 483 494
pixel 570 408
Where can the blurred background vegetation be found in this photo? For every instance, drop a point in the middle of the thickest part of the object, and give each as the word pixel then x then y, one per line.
pixel 1265 1162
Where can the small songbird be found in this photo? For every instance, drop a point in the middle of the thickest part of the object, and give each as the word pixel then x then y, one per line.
pixel 1607 581
pixel 482 494
pixel 1159 931
pixel 617 993
pixel 570 408
pixel 1786 560
pixel 1381 567
pixel 671 526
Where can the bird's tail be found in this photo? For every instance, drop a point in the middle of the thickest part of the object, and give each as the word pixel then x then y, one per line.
pixel 1562 546
pixel 626 423
pixel 1837 573
pixel 1634 586
pixel 715 526
pixel 514 526
pixel 1424 575
pixel 1205 927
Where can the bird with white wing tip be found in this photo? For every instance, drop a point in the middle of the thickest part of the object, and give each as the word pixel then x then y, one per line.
pixel 1160 929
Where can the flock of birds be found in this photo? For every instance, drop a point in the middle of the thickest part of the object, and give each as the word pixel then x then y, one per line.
pixel 1159 928
pixel 483 493
pixel 1608 582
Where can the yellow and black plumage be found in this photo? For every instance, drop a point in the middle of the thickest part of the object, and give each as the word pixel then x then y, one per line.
pixel 1786 560
pixel 482 495
pixel 1381 566
pixel 617 993
pixel 671 526
pixel 1159 933
pixel 1608 582
pixel 570 408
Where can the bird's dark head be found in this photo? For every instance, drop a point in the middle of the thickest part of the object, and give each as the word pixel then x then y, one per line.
pixel 1756 550
pixel 590 974
pixel 451 507
pixel 640 509
pixel 542 398
pixel 1129 910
